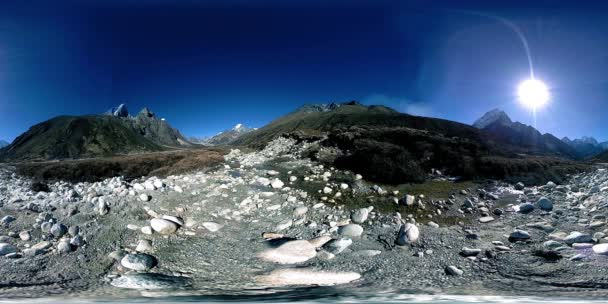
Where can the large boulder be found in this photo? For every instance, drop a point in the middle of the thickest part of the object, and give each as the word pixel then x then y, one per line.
pixel 291 252
pixel 408 234
pixel 544 204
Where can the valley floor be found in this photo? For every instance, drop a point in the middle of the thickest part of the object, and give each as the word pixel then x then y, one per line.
pixel 270 222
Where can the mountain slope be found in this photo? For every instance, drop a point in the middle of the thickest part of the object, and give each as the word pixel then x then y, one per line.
pixel 601 158
pixel 3 143
pixel 494 116
pixel 116 132
pixel 320 119
pixel 520 138
pixel 77 137
pixel 157 130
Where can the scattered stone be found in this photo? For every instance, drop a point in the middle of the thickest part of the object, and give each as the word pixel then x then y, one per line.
pixel 77 241
pixel 351 230
pixel 300 211
pixel 25 235
pixel 526 208
pixel 6 248
pixel 578 237
pixel 544 204
pixel 277 184
pixel 338 245
pixel 467 252
pixel 117 255
pixel 175 219
pixel 359 216
pixel 144 197
pixel 212 226
pixel 163 226
pixel 486 219
pixel 7 220
pixel 454 271
pixel 144 246
pixel 284 225
pixel 138 261
pixel 291 252
pixel 519 235
pixel 601 249
pixel 64 247
pixel 408 234
pixel 58 230
pixel 146 230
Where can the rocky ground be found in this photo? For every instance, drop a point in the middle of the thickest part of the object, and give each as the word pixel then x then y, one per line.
pixel 272 221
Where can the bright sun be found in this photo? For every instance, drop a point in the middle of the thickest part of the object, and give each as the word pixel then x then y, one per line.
pixel 533 93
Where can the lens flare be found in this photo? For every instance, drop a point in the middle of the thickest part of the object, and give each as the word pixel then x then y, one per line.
pixel 533 93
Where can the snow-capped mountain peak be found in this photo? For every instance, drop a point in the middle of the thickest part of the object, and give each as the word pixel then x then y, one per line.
pixel 237 127
pixel 491 117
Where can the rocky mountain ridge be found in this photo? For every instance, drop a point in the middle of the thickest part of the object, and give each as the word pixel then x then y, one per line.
pixel 522 138
pixel 70 137
pixel 587 147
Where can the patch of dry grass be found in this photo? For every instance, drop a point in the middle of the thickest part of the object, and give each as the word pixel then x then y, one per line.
pixel 129 166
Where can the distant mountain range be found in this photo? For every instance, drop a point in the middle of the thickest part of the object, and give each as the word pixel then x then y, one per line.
pixel 225 137
pixel 377 141
pixel 526 139
pixel 3 143
pixel 69 137
pixel 586 146
pixel 521 138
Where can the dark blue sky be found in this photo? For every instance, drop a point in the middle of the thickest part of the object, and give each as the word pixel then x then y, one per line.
pixel 207 65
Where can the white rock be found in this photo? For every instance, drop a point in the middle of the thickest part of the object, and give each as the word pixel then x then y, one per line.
pixel 174 219
pixel 300 211
pixel 301 276
pixel 149 186
pixel 351 230
pixel 408 234
pixel 284 225
pixel 486 219
pixel 146 230
pixel 291 252
pixel 144 246
pixel 277 183
pixel 138 261
pixel 601 249
pixel 453 270
pixel 163 226
pixel 159 184
pixel 144 197
pixel 212 226
pixel 360 215
pixel 25 235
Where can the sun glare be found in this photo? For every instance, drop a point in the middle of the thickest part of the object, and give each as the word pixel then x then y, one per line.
pixel 533 93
